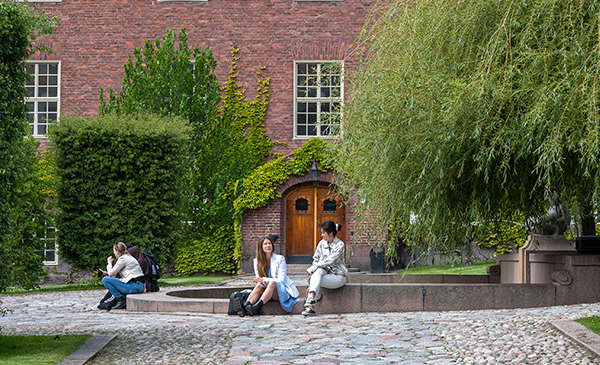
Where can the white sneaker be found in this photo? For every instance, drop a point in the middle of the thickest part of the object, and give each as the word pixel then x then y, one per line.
pixel 310 302
pixel 308 312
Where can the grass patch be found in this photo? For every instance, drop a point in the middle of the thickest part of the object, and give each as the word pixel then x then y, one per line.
pixel 171 281
pixel 475 269
pixel 38 349
pixel 55 288
pixel 191 280
pixel 591 323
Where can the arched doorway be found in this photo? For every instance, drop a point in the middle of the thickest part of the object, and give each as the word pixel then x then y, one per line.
pixel 306 209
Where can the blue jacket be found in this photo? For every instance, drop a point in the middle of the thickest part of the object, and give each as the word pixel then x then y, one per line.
pixel 278 273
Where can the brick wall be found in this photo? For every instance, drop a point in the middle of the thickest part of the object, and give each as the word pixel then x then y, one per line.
pixel 95 38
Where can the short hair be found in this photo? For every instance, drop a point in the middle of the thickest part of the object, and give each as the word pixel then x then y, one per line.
pixel 330 227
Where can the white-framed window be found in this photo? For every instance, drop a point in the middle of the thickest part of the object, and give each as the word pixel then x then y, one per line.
pixel 50 246
pixel 318 95
pixel 43 95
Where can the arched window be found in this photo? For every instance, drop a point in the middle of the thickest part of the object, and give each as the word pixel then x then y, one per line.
pixel 301 204
pixel 329 205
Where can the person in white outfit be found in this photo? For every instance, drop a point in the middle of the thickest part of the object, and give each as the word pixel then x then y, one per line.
pixel 272 282
pixel 131 279
pixel 328 269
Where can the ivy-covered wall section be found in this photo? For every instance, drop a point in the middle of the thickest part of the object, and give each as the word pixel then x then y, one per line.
pixel 120 178
pixel 259 188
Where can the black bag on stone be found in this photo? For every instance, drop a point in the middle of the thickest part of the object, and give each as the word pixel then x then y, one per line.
pixel 105 302
pixel 155 270
pixel 242 296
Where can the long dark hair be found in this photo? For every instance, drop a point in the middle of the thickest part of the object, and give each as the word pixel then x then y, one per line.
pixel 262 263
pixel 331 228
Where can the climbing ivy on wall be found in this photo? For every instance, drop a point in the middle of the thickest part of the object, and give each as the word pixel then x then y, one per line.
pixel 246 148
pixel 258 189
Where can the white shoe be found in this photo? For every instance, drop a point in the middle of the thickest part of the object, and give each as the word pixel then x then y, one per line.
pixel 308 312
pixel 310 301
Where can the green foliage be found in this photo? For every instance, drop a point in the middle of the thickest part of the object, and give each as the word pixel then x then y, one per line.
pixel 120 178
pixel 250 145
pixel 47 176
pixel 21 204
pixel 259 187
pixel 167 77
pixel 21 248
pixel 213 253
pixel 191 280
pixel 506 237
pixel 244 146
pixel 228 142
pixel 478 268
pixel 469 111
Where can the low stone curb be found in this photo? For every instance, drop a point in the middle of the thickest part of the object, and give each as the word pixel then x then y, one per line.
pixel 88 350
pixel 579 333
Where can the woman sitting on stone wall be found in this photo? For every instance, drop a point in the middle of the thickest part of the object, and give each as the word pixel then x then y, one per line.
pixel 271 280
pixel 328 268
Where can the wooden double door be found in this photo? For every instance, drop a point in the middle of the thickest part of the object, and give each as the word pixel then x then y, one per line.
pixel 306 209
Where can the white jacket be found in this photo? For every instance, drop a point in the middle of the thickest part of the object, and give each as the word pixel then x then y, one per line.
pixel 330 257
pixel 278 273
pixel 127 266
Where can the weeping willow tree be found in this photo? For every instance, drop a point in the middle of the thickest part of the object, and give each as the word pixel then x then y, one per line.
pixel 469 111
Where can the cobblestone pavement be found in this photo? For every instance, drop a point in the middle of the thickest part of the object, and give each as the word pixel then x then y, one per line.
pixel 521 336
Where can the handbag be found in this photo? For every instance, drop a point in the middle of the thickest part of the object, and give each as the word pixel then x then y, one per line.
pixel 242 296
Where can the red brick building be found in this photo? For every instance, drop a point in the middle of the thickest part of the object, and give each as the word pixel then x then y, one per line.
pixel 293 39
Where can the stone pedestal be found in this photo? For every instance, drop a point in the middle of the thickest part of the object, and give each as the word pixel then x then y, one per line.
pixel 541 256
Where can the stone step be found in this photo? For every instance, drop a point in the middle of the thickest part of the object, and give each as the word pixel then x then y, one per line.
pixel 297 269
pixel 300 269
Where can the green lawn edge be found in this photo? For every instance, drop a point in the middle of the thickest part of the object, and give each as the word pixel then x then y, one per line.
pixel 38 349
pixel 592 323
pixel 478 268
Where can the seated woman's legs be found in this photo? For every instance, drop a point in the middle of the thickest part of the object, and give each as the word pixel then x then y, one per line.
pixel 119 289
pixel 314 282
pixel 114 286
pixel 320 278
pixel 256 293
pixel 331 281
pixel 260 296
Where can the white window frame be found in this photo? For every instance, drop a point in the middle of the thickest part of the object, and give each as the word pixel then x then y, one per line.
pixel 316 99
pixel 50 240
pixel 36 100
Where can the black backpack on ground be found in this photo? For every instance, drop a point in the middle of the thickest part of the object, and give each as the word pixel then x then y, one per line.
pixel 242 295
pixel 104 302
pixel 155 268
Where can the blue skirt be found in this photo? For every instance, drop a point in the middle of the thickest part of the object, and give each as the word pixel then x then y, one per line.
pixel 285 299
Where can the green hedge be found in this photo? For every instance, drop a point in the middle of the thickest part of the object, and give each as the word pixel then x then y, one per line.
pixel 119 179
pixel 212 253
